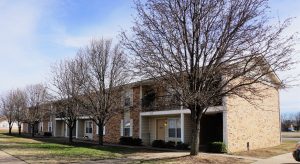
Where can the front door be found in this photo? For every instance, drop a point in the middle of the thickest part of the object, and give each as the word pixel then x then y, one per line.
pixel 160 129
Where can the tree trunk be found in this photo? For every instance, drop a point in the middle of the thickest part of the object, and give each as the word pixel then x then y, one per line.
pixel 196 115
pixel 100 134
pixel 195 138
pixel 19 127
pixel 71 134
pixel 32 130
pixel 9 128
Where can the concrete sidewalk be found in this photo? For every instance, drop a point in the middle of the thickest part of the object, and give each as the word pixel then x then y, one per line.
pixel 9 159
pixel 280 159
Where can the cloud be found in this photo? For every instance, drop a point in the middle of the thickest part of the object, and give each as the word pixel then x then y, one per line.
pixel 19 58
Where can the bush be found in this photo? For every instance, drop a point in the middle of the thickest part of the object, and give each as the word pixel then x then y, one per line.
pixel 170 144
pixel 217 147
pixel 131 141
pixel 137 142
pixel 182 146
pixel 47 134
pixel 158 143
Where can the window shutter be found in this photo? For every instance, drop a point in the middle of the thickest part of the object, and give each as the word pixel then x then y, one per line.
pixel 121 128
pixel 131 125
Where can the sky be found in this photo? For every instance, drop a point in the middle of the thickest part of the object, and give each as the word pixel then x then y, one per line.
pixel 35 34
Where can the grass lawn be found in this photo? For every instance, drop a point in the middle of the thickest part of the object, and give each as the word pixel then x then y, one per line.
pixel 200 159
pixel 40 150
pixel 290 134
pixel 284 147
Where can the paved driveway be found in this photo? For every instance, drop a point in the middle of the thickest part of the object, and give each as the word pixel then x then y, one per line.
pixel 280 159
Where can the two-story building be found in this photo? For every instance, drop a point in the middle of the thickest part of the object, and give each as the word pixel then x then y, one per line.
pixel 149 114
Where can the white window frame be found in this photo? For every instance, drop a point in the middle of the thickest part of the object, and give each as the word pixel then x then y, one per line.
pixel 41 126
pixel 97 129
pixel 177 120
pixel 122 131
pixel 85 127
pixel 50 126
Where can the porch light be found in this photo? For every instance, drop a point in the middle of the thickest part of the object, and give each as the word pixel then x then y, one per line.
pixel 165 124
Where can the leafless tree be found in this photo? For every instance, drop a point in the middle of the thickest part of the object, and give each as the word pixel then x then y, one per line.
pixel 66 87
pixel 37 96
pixel 7 109
pixel 208 49
pixel 19 101
pixel 297 120
pixel 105 74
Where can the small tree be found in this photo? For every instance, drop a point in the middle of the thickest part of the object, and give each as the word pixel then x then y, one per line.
pixel 66 87
pixel 7 109
pixel 206 50
pixel 19 101
pixel 105 74
pixel 36 96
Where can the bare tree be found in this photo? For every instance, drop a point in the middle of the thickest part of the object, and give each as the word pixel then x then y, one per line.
pixel 66 87
pixel 19 101
pixel 37 96
pixel 7 109
pixel 105 74
pixel 297 120
pixel 208 49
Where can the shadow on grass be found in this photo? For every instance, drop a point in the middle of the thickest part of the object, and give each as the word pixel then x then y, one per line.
pixel 61 143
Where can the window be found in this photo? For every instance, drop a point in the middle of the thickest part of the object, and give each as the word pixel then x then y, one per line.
pixel 127 128
pixel 49 126
pixel 127 101
pixel 41 126
pixel 174 128
pixel 128 98
pixel 97 129
pixel 88 127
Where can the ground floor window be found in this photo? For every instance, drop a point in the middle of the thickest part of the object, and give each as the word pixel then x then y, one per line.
pixel 97 128
pixel 49 126
pixel 174 128
pixel 41 126
pixel 88 127
pixel 127 128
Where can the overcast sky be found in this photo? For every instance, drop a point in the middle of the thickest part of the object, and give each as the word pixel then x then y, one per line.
pixel 34 34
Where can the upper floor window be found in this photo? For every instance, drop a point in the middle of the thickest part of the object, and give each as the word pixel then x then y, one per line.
pixel 128 98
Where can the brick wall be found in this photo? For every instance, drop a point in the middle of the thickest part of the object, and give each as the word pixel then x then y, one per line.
pixel 259 125
pixel 135 112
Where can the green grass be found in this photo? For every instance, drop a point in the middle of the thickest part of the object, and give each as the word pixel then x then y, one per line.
pixel 46 150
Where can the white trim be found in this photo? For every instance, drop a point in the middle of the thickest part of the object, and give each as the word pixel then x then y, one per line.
pixel 66 130
pixel 50 124
pixel 80 118
pixel 41 128
pixel 225 131
pixel 131 127
pixel 97 129
pixel 121 128
pixel 211 110
pixel 77 128
pixel 140 127
pixel 182 126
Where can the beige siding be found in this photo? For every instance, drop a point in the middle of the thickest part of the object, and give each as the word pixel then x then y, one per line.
pixel 152 122
pixel 187 128
pixel 259 125
pixel 145 131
